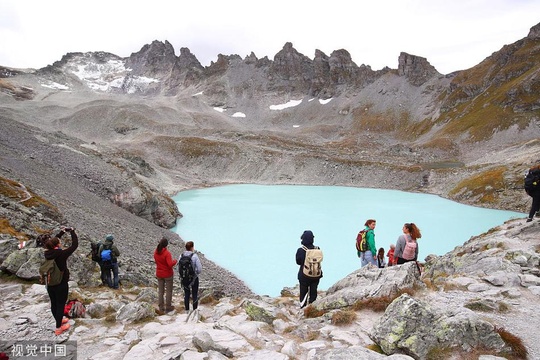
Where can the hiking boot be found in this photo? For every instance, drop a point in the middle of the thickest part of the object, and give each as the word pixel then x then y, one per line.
pixel 64 320
pixel 529 220
pixel 61 329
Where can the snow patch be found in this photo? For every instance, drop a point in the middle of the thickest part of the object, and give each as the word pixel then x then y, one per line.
pixel 55 86
pixel 197 94
pixel 324 101
pixel 220 109
pixel 238 114
pixel 291 103
pixel 108 76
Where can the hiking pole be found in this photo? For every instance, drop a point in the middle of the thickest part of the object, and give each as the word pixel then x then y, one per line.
pixel 303 302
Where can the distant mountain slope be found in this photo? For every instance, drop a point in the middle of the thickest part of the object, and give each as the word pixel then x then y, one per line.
pixel 293 119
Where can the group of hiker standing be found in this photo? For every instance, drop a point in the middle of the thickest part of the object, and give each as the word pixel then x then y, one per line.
pixel 189 268
pixel 405 249
pixel 309 256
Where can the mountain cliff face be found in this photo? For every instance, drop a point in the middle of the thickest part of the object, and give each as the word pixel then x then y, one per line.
pixel 468 135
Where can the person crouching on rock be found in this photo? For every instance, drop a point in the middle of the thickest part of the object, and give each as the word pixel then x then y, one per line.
pixel 58 294
pixel 165 275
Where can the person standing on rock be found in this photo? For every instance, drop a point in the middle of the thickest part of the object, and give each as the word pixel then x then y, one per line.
pixel 380 258
pixel 532 188
pixel 191 283
pixel 165 274
pixel 369 256
pixel 308 284
pixel 109 258
pixel 406 245
pixel 58 294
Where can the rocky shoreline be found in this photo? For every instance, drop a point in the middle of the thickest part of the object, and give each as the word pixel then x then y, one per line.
pixel 478 301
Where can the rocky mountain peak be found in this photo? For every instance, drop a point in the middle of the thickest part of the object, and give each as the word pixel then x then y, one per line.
pixel 186 60
pixel 534 33
pixel 155 60
pixel 415 68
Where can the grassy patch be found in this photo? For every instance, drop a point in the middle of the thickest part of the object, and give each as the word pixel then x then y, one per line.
pixel 519 351
pixel 20 193
pixel 376 348
pixel 484 186
pixel 380 303
pixel 195 147
pixel 312 312
pixel 343 318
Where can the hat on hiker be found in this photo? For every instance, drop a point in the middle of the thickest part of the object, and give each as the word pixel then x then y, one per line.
pixel 109 237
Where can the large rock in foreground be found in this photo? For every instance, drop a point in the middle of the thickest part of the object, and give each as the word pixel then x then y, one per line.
pixel 412 327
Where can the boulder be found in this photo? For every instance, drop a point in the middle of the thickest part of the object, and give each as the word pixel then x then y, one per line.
pixel 135 311
pixel 368 282
pixel 222 341
pixel 410 326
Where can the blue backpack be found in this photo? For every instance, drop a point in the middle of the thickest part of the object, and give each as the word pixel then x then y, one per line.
pixel 106 255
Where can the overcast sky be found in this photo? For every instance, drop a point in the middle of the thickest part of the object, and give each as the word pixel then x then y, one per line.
pixel 452 35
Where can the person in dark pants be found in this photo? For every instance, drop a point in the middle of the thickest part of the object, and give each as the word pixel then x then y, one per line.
pixel 59 293
pixel 308 285
pixel 192 289
pixel 110 264
pixel 532 188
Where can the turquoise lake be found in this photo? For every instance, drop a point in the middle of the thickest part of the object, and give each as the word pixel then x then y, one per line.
pixel 254 230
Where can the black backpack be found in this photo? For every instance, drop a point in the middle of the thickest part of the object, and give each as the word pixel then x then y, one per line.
pixel 94 247
pixel 532 181
pixel 185 269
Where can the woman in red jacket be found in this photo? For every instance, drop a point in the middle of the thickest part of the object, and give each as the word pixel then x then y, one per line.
pixel 164 273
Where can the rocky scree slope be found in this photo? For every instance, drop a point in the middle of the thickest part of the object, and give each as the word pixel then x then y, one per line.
pixel 47 179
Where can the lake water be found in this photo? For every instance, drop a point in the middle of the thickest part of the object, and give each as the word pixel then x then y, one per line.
pixel 254 230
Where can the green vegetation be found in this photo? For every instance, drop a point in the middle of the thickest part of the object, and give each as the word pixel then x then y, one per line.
pixel 18 192
pixel 484 186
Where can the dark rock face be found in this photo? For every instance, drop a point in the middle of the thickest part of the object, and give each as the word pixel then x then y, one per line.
pixel 534 33
pixel 415 68
pixel 290 71
pixel 156 60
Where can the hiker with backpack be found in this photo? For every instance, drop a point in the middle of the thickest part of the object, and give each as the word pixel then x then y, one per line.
pixel 406 245
pixel 96 257
pixel 309 257
pixel 58 292
pixel 190 267
pixel 365 244
pixel 164 274
pixel 532 188
pixel 109 253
